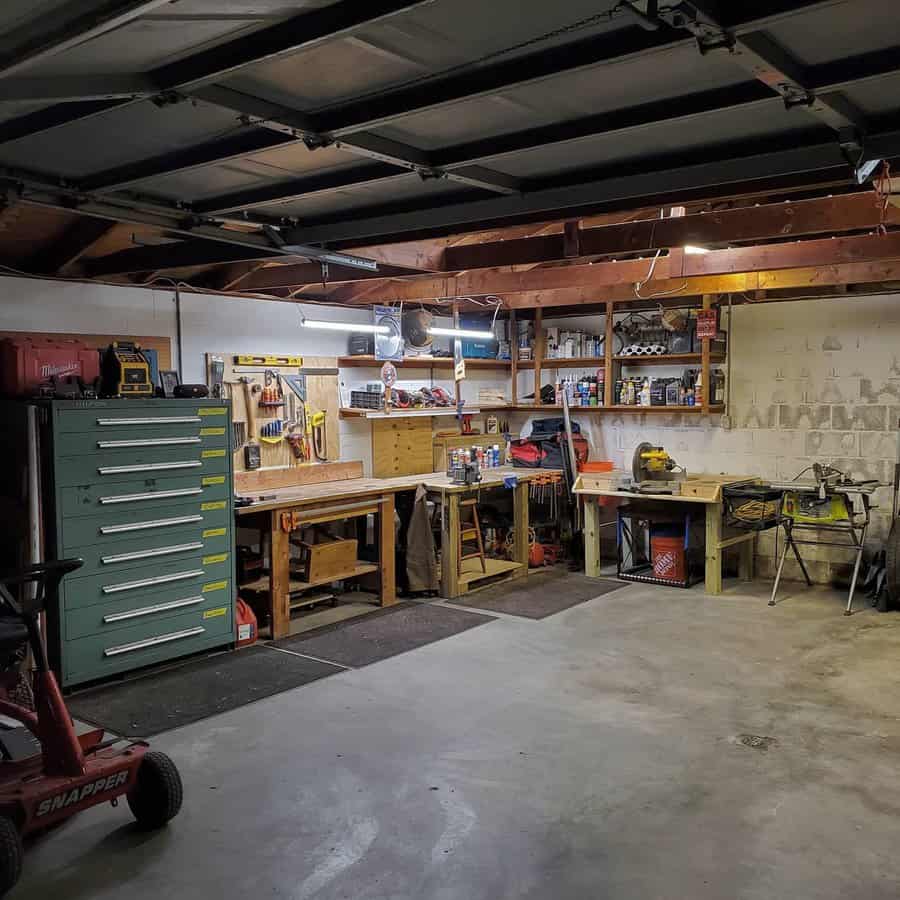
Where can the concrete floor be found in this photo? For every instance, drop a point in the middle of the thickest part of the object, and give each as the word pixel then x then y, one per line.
pixel 595 754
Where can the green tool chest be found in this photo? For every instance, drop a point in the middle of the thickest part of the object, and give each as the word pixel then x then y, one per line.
pixel 141 490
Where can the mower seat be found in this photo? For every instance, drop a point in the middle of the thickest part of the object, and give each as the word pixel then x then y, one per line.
pixel 13 633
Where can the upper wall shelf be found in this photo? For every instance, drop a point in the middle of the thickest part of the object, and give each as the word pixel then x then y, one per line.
pixel 580 362
pixel 669 359
pixel 422 362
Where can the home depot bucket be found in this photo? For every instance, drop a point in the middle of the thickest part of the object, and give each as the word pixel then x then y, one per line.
pixel 668 556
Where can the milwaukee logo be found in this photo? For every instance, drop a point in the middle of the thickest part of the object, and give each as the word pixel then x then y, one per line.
pixel 76 795
pixel 68 368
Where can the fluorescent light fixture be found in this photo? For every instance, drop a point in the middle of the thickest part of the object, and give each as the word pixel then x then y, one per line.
pixel 694 250
pixel 345 326
pixel 462 333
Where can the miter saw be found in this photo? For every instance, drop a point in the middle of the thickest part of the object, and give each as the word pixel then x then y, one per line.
pixel 654 471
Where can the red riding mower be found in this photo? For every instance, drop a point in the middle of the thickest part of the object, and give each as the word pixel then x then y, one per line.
pixel 72 772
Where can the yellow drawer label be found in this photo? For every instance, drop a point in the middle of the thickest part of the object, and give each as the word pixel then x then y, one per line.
pixel 212 454
pixel 213 504
pixel 215 613
pixel 213 479
pixel 215 558
pixel 212 411
pixel 214 586
pixel 212 432
pixel 214 532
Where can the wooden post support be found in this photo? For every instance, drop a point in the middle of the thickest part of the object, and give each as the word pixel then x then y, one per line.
pixel 704 360
pixel 609 376
pixel 456 382
pixel 713 551
pixel 538 353
pixel 386 564
pixel 746 560
pixel 514 357
pixel 591 537
pixel 520 524
pixel 450 546
pixel 279 577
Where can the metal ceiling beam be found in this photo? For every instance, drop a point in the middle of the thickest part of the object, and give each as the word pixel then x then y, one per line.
pixel 617 187
pixel 617 46
pixel 177 255
pixel 302 126
pixel 69 25
pixel 304 30
pixel 75 87
pixel 236 146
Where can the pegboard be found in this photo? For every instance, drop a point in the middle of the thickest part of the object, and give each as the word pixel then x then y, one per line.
pixel 322 393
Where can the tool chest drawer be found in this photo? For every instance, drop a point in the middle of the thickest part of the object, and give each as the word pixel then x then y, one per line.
pixel 137 498
pixel 110 529
pixel 159 462
pixel 97 655
pixel 149 551
pixel 119 418
pixel 193 571
pixel 142 492
pixel 148 610
pixel 83 443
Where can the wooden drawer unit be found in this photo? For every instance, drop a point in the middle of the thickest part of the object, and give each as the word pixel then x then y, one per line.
pixel 142 491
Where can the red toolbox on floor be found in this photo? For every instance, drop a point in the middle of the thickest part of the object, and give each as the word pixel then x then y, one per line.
pixel 28 362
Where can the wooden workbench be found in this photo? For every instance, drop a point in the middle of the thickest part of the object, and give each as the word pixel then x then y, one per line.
pixel 715 543
pixel 339 500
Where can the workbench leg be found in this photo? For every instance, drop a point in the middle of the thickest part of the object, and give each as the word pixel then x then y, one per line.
pixel 591 537
pixel 386 559
pixel 713 551
pixel 450 546
pixel 520 520
pixel 279 577
pixel 745 561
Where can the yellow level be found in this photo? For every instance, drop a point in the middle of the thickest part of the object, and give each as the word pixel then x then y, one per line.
pixel 268 360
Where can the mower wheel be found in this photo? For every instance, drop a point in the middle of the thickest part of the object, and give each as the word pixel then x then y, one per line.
pixel 11 855
pixel 157 794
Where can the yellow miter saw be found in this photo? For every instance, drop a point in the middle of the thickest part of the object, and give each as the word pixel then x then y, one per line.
pixel 654 471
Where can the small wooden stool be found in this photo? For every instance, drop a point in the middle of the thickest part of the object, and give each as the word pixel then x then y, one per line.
pixel 470 531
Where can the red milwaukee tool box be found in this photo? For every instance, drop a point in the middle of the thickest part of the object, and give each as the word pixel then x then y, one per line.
pixel 28 362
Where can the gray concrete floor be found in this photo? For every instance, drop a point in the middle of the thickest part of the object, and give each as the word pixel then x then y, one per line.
pixel 595 754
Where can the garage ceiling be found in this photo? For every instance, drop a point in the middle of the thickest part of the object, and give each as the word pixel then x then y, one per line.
pixel 297 128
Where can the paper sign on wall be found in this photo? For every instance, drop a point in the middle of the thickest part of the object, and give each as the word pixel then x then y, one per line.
pixel 707 323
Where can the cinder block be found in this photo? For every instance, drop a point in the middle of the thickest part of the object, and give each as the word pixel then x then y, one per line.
pixel 878 445
pixel 859 418
pixel 771 442
pixel 805 416
pixel 879 391
pixel 832 443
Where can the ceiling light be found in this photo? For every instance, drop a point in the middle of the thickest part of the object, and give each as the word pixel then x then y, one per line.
pixel 462 332
pixel 694 250
pixel 360 327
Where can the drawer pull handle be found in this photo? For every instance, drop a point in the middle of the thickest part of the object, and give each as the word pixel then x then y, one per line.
pixel 159 442
pixel 150 610
pixel 162 420
pixel 147 554
pixel 150 582
pixel 149 467
pixel 152 642
pixel 155 523
pixel 151 495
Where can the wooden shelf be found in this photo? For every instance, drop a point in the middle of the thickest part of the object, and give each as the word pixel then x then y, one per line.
pixel 397 413
pixel 422 362
pixel 594 410
pixel 697 410
pixel 582 362
pixel 669 359
pixel 262 583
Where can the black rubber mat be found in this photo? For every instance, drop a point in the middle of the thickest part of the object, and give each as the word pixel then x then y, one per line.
pixel 383 633
pixel 540 595
pixel 157 702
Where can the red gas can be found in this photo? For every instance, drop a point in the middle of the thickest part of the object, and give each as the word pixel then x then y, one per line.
pixel 246 624
pixel 28 362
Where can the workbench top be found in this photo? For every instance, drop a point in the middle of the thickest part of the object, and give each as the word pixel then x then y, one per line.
pixel 721 480
pixel 327 492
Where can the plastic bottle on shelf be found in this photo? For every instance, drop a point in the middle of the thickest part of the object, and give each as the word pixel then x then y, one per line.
pixel 645 393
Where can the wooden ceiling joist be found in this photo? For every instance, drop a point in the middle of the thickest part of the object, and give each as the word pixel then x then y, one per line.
pixel 677 265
